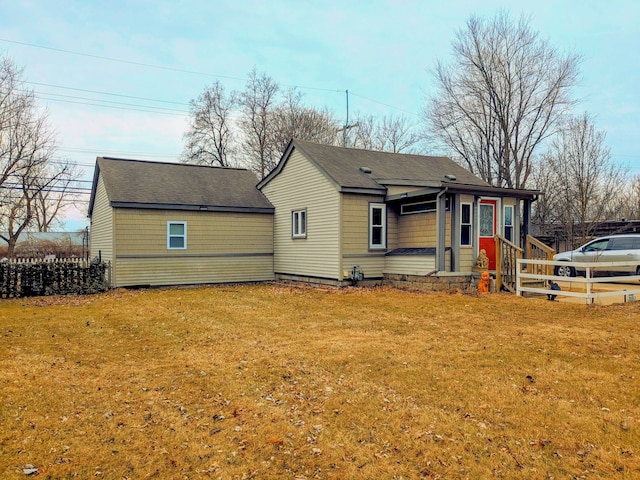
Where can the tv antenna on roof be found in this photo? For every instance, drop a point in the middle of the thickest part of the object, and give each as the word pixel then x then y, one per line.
pixel 346 124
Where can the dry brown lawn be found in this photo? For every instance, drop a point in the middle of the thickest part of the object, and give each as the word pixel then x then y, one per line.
pixel 274 381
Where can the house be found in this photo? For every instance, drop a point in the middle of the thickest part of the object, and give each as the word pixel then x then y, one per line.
pixel 325 215
pixel 168 224
pixel 342 215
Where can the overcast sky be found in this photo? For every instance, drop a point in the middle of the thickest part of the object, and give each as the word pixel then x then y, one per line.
pixel 150 58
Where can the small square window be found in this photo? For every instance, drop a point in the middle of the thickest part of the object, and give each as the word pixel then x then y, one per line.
pixel 299 224
pixel 176 235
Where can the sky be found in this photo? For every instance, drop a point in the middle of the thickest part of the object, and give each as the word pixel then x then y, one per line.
pixel 116 77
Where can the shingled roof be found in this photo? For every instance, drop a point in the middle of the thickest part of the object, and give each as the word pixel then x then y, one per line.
pixel 367 171
pixel 178 186
pixel 349 168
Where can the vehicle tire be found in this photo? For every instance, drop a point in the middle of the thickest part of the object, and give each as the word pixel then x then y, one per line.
pixel 638 271
pixel 565 271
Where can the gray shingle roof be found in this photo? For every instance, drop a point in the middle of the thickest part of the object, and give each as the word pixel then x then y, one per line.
pixel 343 166
pixel 144 184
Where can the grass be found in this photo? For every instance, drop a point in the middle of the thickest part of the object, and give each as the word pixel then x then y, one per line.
pixel 274 381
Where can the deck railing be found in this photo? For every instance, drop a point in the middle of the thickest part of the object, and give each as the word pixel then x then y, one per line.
pixel 507 255
pixel 536 250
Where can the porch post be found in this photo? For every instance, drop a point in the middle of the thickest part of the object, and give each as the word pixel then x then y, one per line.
pixel 441 208
pixel 526 219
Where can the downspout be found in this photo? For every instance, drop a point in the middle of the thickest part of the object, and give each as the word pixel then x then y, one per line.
pixel 441 236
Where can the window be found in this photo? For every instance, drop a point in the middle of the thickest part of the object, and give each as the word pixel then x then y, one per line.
pixel 508 222
pixel 377 225
pixel 466 222
pixel 597 246
pixel 624 243
pixel 299 224
pixel 487 220
pixel 177 235
pixel 420 207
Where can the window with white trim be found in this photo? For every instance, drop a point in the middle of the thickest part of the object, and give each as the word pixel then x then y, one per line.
pixel 508 222
pixel 299 224
pixel 377 225
pixel 176 235
pixel 466 224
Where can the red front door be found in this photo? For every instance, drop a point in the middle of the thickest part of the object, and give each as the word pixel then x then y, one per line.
pixel 487 230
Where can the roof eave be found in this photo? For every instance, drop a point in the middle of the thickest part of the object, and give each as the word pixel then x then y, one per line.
pixel 94 187
pixel 491 190
pixel 466 188
pixel 367 191
pixel 200 208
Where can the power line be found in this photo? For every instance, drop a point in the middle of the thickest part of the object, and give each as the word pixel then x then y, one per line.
pixel 384 104
pixel 121 108
pixel 160 109
pixel 193 72
pixel 50 179
pixel 108 93
pixel 159 67
pixel 117 152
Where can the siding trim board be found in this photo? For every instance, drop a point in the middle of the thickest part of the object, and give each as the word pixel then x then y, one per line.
pixel 198 208
pixel 197 255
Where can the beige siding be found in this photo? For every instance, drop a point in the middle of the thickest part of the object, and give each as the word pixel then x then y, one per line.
pixel 221 247
pixel 355 235
pixel 410 264
pixel 156 270
pixel 144 231
pixel 417 230
pixel 467 259
pixel 102 225
pixel 301 186
pixel 398 189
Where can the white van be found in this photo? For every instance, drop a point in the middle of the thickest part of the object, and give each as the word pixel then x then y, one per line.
pixel 615 248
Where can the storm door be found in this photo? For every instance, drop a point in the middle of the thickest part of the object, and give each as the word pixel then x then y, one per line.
pixel 487 230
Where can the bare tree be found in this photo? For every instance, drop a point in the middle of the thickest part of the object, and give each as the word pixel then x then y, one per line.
pixel 386 134
pixel 583 182
pixel 361 133
pixel 397 135
pixel 257 103
pixel 27 143
pixel 502 96
pixel 269 118
pixel 627 204
pixel 56 192
pixel 209 138
pixel 291 119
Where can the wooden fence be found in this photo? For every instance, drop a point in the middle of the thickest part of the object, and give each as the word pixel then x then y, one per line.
pixel 33 277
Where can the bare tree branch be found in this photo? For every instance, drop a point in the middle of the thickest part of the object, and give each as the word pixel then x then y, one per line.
pixel 27 143
pixel 209 138
pixel 502 97
pixel 581 181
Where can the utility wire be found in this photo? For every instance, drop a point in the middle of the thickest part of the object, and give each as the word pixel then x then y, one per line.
pixel 143 109
pixel 160 109
pixel 159 67
pixel 108 93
